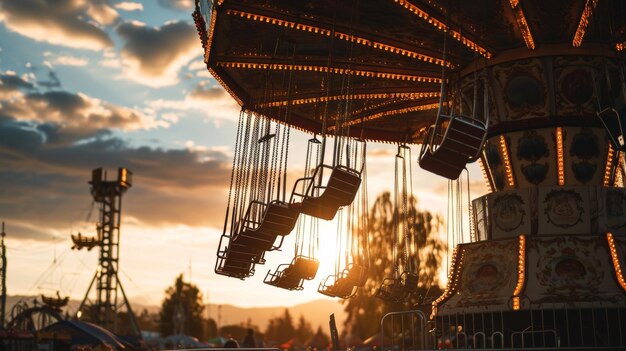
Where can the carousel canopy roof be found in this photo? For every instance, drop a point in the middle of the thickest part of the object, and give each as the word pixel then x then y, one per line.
pixel 380 61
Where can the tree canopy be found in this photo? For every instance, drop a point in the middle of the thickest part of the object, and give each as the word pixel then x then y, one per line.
pixel 181 310
pixel 364 311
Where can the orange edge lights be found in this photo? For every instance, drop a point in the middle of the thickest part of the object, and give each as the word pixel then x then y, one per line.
pixel 507 161
pixel 559 155
pixel 340 35
pixel 483 167
pixel 453 277
pixel 219 80
pixel 608 169
pixel 207 50
pixel 615 259
pixel 443 27
pixel 386 113
pixel 521 273
pixel 584 22
pixel 522 24
pixel 351 97
pixel 290 67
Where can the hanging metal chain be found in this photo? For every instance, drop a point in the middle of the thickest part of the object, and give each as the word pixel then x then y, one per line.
pixel 232 171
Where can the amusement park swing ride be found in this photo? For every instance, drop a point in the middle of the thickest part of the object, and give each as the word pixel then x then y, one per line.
pixel 532 90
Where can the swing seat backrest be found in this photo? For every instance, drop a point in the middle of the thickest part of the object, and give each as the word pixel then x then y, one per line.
pixel 459 145
pixel 283 278
pixel 391 290
pixel 614 124
pixel 326 285
pixel 304 267
pixel 464 135
pixel 340 190
pixel 244 253
pixel 356 273
pixel 233 268
pixel 343 288
pixel 255 239
pixel 277 219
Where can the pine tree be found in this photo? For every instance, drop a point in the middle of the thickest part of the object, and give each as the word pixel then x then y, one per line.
pixel 181 310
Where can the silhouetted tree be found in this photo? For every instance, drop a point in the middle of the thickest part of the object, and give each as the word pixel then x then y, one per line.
pixel 281 328
pixel 304 331
pixel 210 327
pixel 148 321
pixel 181 310
pixel 364 311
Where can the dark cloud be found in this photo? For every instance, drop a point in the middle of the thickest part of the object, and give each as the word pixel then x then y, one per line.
pixel 46 184
pixel 50 141
pixel 52 82
pixel 72 23
pixel 12 81
pixel 70 117
pixel 155 55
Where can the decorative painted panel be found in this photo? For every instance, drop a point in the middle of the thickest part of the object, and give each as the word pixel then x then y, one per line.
pixel 564 210
pixel 550 210
pixel 523 89
pixel 509 214
pixel 487 278
pixel 574 86
pixel 534 156
pixel 563 270
pixel 585 150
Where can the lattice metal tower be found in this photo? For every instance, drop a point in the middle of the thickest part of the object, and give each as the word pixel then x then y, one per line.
pixel 3 277
pixel 108 194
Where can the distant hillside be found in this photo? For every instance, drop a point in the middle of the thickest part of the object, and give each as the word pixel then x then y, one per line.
pixel 316 312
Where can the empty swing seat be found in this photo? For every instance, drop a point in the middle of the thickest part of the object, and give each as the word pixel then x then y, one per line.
pixel 340 190
pixel 340 287
pixel 234 268
pixel 282 278
pixel 292 275
pixel 236 260
pixel 460 144
pixel 278 220
pixel 304 267
pixel 391 289
pixel 356 274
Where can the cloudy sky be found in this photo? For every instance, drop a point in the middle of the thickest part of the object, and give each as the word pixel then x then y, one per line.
pixel 109 83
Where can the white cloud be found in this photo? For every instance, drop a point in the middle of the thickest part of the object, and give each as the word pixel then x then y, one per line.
pixel 197 65
pixel 64 60
pixel 214 101
pixel 129 6
pixel 67 23
pixel 102 13
pixel 178 4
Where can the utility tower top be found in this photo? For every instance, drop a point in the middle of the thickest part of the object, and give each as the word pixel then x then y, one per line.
pixel 101 187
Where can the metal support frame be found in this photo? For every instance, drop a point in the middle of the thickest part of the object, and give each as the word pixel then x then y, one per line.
pixel 3 277
pixel 107 283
